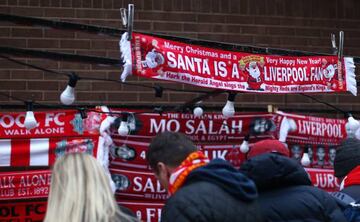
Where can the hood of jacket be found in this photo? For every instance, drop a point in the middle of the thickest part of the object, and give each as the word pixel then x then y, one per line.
pixel 224 175
pixel 272 171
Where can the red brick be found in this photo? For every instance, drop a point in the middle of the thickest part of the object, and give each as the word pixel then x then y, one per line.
pixel 122 96
pixel 72 66
pixel 6 64
pixel 27 11
pixel 90 13
pixel 54 33
pixel 26 95
pixel 59 12
pixel 4 74
pixel 90 96
pixel 5 10
pixel 43 43
pixel 74 44
pixel 66 3
pixel 26 74
pixel 106 86
pixel 150 97
pixel 88 36
pixel 168 26
pixel 207 18
pixel 198 28
pixel 104 44
pixel 21 43
pixel 12 85
pixel 43 85
pixel 27 32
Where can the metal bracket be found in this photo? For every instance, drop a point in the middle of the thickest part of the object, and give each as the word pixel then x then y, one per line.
pixel 333 44
pixel 127 19
pixel 341 45
pixel 130 21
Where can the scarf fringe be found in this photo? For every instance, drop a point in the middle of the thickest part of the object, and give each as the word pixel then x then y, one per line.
pixel 350 75
pixel 125 49
pixel 104 145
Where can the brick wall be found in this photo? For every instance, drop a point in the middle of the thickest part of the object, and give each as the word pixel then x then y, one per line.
pixel 302 24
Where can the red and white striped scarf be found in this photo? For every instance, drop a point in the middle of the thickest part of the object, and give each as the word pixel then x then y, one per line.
pixel 193 161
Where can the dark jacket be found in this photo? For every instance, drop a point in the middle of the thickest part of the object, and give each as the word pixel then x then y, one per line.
pixel 353 191
pixel 286 193
pixel 215 192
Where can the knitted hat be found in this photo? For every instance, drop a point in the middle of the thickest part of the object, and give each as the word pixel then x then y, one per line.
pixel 347 157
pixel 268 146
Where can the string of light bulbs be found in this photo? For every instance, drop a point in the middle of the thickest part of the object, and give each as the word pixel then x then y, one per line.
pixel 67 97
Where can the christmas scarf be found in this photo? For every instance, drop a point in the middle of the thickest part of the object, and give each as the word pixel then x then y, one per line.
pixel 163 58
pixel 193 161
pixel 353 178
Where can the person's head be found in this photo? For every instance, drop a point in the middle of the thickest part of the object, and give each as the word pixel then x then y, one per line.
pixel 296 152
pixel 332 154
pixel 310 152
pixel 347 157
pixel 80 191
pixel 320 153
pixel 268 146
pixel 166 152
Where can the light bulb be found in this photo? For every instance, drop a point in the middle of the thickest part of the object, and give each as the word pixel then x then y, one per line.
pixel 229 109
pixel 30 121
pixel 123 128
pixel 198 111
pixel 244 147
pixel 67 97
pixel 305 160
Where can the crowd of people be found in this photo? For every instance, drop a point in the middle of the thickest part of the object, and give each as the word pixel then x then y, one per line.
pixel 270 185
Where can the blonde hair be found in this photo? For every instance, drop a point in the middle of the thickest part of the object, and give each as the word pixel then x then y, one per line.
pixel 80 191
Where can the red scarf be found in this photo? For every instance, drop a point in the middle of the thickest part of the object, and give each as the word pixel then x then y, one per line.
pixel 193 161
pixel 353 178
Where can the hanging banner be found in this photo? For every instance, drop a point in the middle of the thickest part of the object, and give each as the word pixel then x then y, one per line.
pixel 315 130
pixel 50 124
pixel 23 211
pixel 43 151
pixel 324 179
pixel 159 58
pixel 24 184
pixel 137 185
pixel 131 155
pixel 145 211
pixel 210 127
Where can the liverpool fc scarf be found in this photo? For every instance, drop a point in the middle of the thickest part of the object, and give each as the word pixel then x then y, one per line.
pixel 193 161
pixel 213 67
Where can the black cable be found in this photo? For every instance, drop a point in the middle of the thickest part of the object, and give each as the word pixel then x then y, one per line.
pixel 61 56
pixel 325 103
pixel 117 32
pixel 35 66
pixel 99 79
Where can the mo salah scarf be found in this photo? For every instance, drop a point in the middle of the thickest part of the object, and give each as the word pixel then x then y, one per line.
pixel 192 162
pixel 353 178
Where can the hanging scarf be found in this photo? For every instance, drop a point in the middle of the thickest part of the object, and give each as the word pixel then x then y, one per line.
pixel 220 67
pixel 193 161
pixel 353 178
